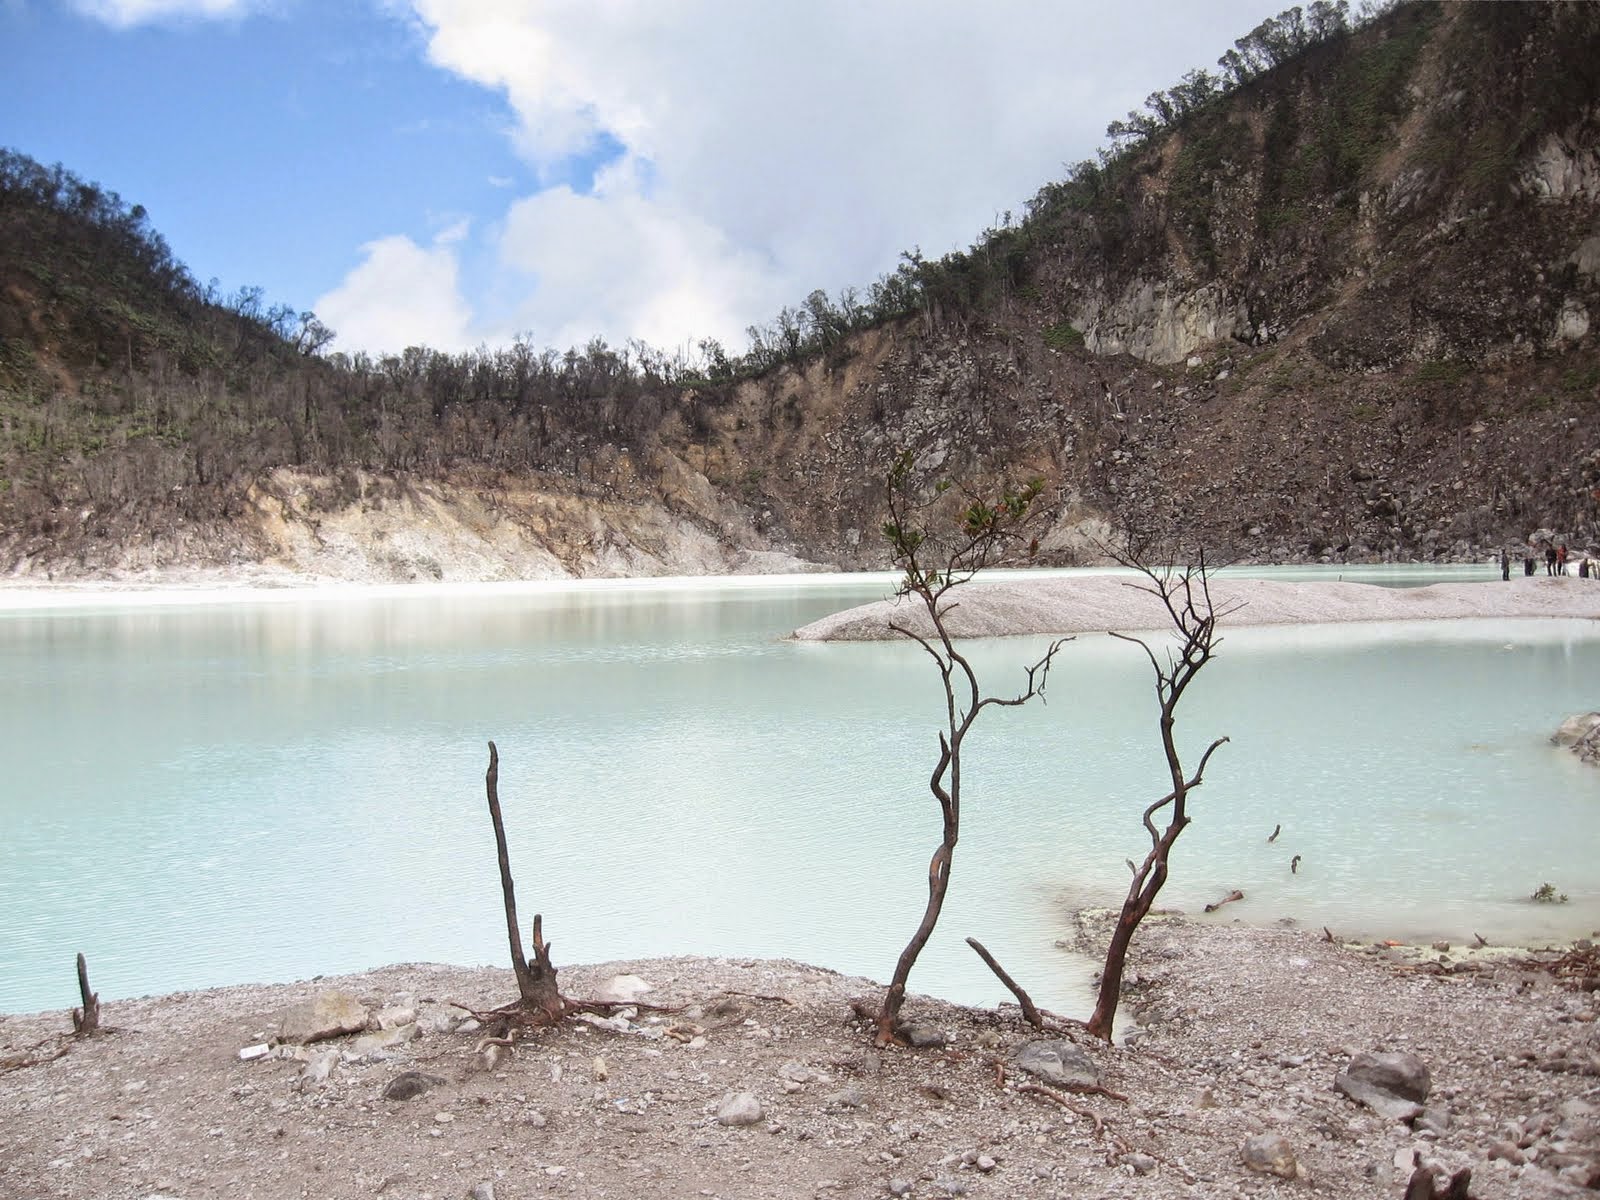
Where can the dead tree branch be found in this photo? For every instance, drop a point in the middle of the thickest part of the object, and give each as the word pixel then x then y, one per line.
pixel 1029 1012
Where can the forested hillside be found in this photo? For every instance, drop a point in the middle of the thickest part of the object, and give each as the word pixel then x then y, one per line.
pixel 1332 300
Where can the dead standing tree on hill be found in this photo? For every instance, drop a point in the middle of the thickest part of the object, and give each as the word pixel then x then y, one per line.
pixel 1185 594
pixel 986 532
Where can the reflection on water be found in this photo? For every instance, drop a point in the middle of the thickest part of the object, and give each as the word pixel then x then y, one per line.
pixel 212 793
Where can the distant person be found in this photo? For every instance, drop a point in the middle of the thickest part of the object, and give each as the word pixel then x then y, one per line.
pixel 1505 564
pixel 1549 559
pixel 1583 568
pixel 1561 559
pixel 1527 564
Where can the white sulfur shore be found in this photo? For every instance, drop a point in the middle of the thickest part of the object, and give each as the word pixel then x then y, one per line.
pixel 1091 603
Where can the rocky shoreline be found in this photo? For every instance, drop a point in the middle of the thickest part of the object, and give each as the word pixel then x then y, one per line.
pixel 1260 1062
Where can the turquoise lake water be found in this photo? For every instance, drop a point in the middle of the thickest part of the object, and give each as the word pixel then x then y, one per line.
pixel 199 793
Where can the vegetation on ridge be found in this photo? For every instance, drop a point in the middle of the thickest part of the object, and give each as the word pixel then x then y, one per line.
pixel 1352 200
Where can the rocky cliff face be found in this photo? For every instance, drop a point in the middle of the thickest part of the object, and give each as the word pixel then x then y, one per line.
pixel 1344 313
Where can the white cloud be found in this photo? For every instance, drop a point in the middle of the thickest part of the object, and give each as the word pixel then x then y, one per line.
pixel 401 294
pixel 772 148
pixel 617 263
pixel 124 14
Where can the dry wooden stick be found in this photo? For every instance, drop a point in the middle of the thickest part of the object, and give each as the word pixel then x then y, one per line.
pixel 1034 1089
pixel 1028 1010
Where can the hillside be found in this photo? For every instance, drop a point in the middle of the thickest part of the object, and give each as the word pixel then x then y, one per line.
pixel 1338 310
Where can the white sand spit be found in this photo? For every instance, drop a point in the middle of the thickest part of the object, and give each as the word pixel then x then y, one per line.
pixel 1091 603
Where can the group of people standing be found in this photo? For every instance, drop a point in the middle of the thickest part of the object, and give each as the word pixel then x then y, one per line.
pixel 1555 561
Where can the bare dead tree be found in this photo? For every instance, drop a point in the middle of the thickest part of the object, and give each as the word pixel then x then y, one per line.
pixel 536 982
pixel 986 531
pixel 86 1020
pixel 1185 594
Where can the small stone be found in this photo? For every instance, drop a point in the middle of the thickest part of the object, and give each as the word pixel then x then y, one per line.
pixel 318 1067
pixel 481 1191
pixel 1142 1164
pixel 600 1070
pixel 444 1118
pixel 799 1072
pixel 849 1096
pixel 1271 1154
pixel 986 1163
pixel 384 1039
pixel 1435 1119
pixel 900 1187
pixel 1507 1151
pixel 923 1037
pixel 410 1084
pixel 392 1017
pixel 739 1108
pixel 950 1185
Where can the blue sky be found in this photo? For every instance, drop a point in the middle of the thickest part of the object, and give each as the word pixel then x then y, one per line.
pixel 459 171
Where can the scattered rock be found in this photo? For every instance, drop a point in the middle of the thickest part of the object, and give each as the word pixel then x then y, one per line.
pixel 1142 1164
pixel 1385 1104
pixel 385 1039
pixel 1508 1152
pixel 1058 1063
pixel 799 1072
pixel 739 1108
pixel 923 1037
pixel 392 1017
pixel 850 1096
pixel 1399 1073
pixel 330 1015
pixel 481 1191
pixel 408 1085
pixel 1270 1154
pixel 318 1067
pixel 621 989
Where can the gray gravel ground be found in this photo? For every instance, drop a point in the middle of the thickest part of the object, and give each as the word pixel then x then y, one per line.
pixel 1239 1031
